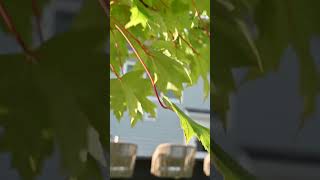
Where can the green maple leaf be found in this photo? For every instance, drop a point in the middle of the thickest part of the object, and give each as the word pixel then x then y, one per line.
pixel 190 127
pixel 229 168
pixel 137 17
pixel 200 64
pixel 131 94
pixel 121 12
pixel 171 74
pixel 118 51
pixel 23 123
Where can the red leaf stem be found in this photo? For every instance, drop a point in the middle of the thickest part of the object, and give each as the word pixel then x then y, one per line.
pixel 144 66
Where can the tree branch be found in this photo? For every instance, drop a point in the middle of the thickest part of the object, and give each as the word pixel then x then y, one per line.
pixel 144 66
pixel 201 21
pixel 12 29
pixel 193 49
pixel 144 48
pixel 115 72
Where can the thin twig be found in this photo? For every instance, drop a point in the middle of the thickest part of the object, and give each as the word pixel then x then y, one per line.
pixel 144 66
pixel 174 43
pixel 144 48
pixel 193 50
pixel 199 16
pixel 115 72
pixel 9 23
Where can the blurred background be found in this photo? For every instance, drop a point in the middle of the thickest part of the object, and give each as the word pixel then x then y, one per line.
pixel 265 114
pixel 19 139
pixel 266 61
pixel 264 129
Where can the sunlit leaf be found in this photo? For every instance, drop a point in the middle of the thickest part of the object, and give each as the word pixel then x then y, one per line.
pixel 190 127
pixel 137 17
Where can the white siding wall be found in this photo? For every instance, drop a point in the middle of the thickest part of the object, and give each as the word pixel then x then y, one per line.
pixel 148 135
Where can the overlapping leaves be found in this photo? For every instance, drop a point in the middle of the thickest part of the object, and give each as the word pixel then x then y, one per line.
pixel 230 36
pixel 58 102
pixel 164 34
pixel 130 93
pixel 275 26
pixel 293 24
